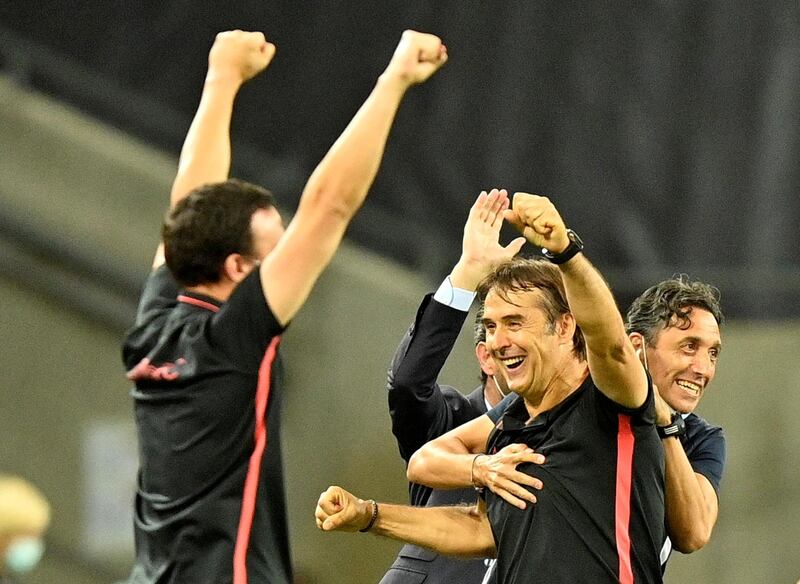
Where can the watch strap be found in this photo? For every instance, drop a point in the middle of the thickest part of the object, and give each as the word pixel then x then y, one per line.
pixel 676 428
pixel 575 246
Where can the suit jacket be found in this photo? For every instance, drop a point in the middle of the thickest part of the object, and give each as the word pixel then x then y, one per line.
pixel 422 410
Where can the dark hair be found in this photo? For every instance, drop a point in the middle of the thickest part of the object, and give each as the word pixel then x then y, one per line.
pixel 479 336
pixel 211 223
pixel 656 307
pixel 525 275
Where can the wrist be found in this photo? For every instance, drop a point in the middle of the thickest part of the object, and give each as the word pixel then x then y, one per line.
pixel 369 513
pixel 675 429
pixel 467 274
pixel 224 78
pixel 391 81
pixel 563 251
pixel 476 473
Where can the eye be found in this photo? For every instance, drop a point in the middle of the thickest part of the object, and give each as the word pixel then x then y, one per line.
pixel 514 325
pixel 713 355
pixel 689 347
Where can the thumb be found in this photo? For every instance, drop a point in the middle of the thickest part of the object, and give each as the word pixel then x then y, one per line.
pixel 331 523
pixel 515 246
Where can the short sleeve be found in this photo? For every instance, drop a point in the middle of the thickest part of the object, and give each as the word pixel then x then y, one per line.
pixel 245 325
pixel 160 293
pixel 706 453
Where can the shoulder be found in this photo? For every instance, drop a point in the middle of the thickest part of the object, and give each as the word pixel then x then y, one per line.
pixel 644 415
pixel 699 431
pixel 248 307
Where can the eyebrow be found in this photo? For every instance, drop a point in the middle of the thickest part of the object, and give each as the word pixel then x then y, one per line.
pixel 505 318
pixel 694 338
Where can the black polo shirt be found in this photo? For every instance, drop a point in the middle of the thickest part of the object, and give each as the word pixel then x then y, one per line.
pixel 600 516
pixel 210 504
pixel 704 444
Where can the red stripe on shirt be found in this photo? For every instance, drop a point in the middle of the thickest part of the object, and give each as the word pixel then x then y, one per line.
pixel 197 302
pixel 625 441
pixel 254 470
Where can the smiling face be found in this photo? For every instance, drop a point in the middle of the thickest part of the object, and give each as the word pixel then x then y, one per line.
pixel 525 346
pixel 683 361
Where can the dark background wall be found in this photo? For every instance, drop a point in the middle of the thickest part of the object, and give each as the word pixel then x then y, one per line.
pixel 668 132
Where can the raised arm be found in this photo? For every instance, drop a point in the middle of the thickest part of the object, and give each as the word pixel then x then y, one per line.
pixel 454 531
pixel 612 359
pixel 339 184
pixel 235 57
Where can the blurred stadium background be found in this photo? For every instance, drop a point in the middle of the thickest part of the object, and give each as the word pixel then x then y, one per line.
pixel 667 132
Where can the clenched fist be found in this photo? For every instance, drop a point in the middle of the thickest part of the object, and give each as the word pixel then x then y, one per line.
pixel 418 56
pixel 339 510
pixel 539 222
pixel 239 55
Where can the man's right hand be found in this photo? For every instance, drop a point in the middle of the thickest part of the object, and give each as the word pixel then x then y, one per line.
pixel 239 55
pixel 418 56
pixel 499 473
pixel 340 510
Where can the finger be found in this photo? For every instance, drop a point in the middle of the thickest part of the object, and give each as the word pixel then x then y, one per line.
pixel 515 246
pixel 429 46
pixel 516 490
pixel 530 456
pixel 333 522
pixel 330 506
pixel 521 478
pixel 510 499
pixel 514 219
pixel 499 204
pixel 514 448
pixel 490 206
pixel 320 515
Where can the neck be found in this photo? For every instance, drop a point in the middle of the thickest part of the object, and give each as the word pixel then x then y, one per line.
pixel 219 290
pixel 491 393
pixel 560 385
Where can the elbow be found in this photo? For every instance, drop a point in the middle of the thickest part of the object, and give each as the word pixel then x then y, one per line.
pixel 414 470
pixel 332 202
pixel 692 540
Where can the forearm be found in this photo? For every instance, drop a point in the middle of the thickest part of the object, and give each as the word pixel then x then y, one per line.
pixel 442 464
pixel 611 357
pixel 206 153
pixel 452 531
pixel 591 302
pixel 691 503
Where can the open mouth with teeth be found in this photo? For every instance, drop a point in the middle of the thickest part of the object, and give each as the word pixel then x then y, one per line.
pixel 692 388
pixel 512 362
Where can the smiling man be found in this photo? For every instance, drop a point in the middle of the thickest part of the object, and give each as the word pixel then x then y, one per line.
pixel 557 338
pixel 675 328
pixel 676 324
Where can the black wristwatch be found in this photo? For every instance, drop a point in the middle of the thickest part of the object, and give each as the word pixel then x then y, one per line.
pixel 676 428
pixel 575 246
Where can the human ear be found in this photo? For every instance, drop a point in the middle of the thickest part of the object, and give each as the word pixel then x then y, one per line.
pixel 485 358
pixel 236 267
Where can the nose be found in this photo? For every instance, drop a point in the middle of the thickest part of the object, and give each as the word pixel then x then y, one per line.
pixel 703 365
pixel 500 339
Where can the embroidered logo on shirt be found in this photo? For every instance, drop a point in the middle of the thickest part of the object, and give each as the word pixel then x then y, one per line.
pixel 164 372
